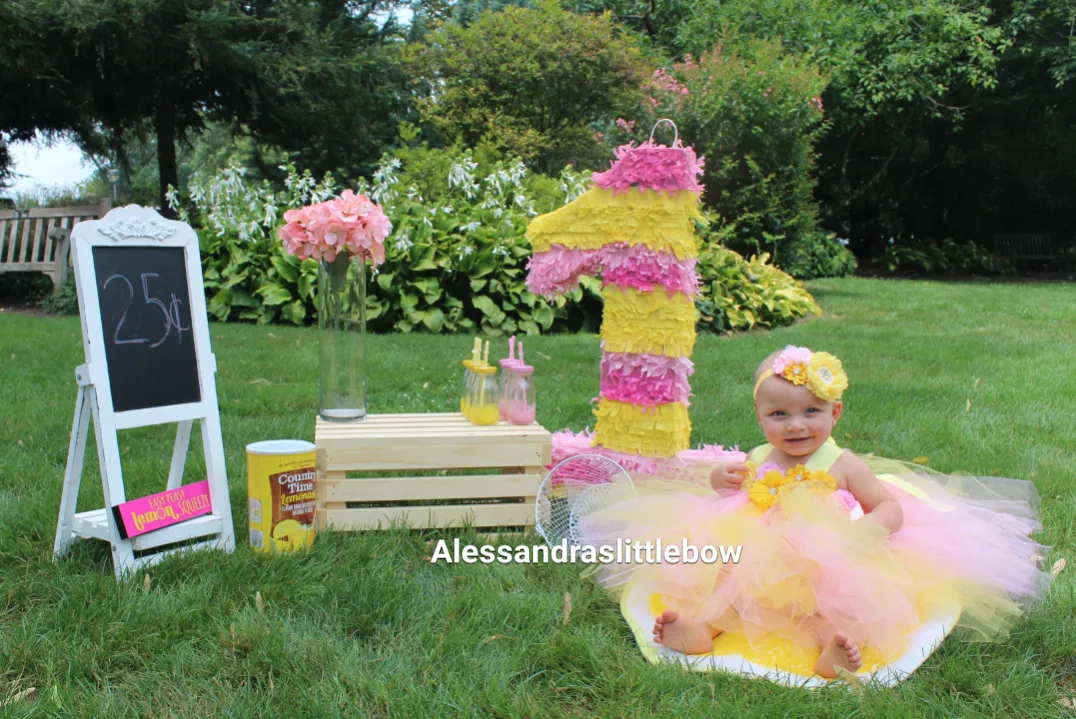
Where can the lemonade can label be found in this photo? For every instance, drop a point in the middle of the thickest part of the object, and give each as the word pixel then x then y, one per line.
pixel 281 497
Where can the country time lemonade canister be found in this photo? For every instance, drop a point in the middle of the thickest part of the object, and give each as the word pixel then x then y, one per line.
pixel 281 496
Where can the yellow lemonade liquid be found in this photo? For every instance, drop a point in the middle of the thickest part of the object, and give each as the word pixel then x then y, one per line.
pixel 485 414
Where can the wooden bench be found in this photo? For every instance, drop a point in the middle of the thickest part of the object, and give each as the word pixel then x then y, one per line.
pixel 39 240
pixel 1026 247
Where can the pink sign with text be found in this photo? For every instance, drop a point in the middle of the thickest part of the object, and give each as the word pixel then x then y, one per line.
pixel 163 509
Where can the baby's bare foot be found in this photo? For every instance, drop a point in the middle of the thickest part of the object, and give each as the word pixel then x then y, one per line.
pixel 689 636
pixel 841 652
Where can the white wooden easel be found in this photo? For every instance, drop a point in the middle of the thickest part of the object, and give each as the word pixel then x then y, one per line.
pixel 133 227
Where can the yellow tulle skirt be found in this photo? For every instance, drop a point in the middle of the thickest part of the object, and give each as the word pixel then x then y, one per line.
pixel 809 566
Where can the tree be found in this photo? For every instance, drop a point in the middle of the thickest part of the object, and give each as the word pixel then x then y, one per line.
pixel 310 76
pixel 657 20
pixel 528 81
pixel 900 72
pixel 36 97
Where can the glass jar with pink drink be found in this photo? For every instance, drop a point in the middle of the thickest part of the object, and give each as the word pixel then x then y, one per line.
pixel 519 395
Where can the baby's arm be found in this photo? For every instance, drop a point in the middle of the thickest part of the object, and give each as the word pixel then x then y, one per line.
pixel 878 504
pixel 728 475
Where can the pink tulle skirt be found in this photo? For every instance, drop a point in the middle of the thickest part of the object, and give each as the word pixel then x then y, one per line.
pixel 811 565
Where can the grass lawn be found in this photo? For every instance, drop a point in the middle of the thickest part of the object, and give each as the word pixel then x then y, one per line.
pixel 974 377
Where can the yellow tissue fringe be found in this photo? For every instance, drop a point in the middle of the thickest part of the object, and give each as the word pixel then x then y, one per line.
pixel 659 431
pixel 662 222
pixel 648 322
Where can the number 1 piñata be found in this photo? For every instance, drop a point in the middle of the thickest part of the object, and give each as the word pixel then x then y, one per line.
pixel 636 226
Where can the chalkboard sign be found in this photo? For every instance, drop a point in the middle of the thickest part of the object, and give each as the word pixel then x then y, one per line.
pixel 145 334
pixel 146 321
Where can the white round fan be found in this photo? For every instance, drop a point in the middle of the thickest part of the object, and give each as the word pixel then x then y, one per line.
pixel 574 488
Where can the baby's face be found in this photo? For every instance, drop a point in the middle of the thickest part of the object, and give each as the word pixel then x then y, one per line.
pixel 794 420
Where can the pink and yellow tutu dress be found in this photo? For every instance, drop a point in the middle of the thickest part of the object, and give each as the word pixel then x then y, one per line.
pixel 809 565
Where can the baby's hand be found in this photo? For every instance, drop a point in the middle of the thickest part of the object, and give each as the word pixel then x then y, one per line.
pixel 728 476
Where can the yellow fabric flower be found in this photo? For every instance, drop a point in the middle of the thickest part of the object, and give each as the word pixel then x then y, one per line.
pixel 795 372
pixel 821 479
pixel 763 492
pixel 799 473
pixel 826 378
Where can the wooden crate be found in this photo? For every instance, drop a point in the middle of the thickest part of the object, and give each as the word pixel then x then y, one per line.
pixel 353 458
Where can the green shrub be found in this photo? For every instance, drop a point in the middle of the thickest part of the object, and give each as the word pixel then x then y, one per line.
pixel 63 300
pixel 24 286
pixel 947 256
pixel 754 112
pixel 246 272
pixel 739 294
pixel 457 257
pixel 456 260
pixel 819 254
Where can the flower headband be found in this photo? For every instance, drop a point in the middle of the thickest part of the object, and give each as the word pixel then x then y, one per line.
pixel 821 372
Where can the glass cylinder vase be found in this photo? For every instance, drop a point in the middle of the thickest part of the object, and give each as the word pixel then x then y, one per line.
pixel 342 338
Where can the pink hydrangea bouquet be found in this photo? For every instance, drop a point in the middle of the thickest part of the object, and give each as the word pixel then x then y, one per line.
pixel 349 223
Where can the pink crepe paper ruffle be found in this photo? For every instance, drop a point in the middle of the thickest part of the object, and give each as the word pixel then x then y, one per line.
pixel 644 269
pixel 711 453
pixel 644 379
pixel 684 466
pixel 652 167
pixel 559 269
pixel 637 266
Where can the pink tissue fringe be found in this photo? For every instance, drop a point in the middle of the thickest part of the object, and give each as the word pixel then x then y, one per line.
pixel 637 266
pixel 643 379
pixel 568 444
pixel 652 167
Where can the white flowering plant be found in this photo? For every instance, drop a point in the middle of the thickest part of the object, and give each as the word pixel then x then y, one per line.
pixel 246 271
pixel 455 262
pixel 457 259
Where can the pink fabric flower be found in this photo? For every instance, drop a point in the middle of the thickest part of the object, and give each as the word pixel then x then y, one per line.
pixel 349 223
pixel 791 355
pixel 769 467
pixel 848 502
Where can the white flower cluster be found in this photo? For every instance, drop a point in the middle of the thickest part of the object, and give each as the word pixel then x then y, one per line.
pixel 461 176
pixel 572 184
pixel 384 180
pixel 231 205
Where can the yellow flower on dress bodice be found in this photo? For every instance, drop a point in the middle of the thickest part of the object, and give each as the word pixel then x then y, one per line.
pixel 768 488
